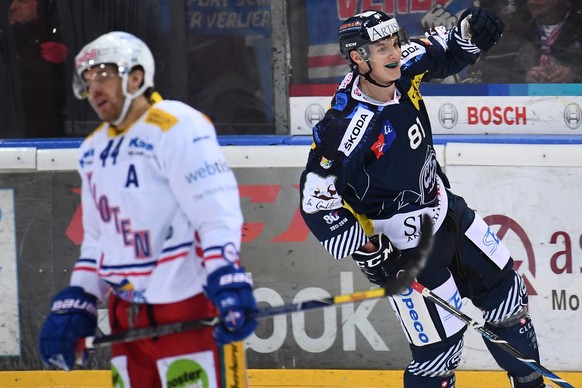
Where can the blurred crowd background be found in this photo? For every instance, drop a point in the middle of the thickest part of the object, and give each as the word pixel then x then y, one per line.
pixel 238 61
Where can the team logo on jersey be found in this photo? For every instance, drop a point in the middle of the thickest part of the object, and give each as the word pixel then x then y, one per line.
pixel 319 193
pixel 385 139
pixel 427 184
pixel 356 129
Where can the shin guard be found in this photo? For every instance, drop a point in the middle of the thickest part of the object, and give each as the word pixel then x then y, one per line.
pixel 506 315
pixel 520 333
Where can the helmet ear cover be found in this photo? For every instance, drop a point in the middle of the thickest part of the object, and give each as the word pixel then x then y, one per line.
pixel 364 52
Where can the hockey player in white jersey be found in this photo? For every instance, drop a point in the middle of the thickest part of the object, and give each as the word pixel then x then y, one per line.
pixel 162 227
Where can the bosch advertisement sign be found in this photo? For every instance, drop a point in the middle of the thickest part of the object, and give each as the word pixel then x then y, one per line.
pixel 505 115
pixel 535 115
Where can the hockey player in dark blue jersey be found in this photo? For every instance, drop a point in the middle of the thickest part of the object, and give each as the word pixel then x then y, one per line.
pixel 372 175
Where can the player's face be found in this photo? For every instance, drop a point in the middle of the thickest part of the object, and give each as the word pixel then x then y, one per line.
pixel 385 59
pixel 23 11
pixel 105 91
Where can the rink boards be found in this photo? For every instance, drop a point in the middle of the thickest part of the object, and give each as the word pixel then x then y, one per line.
pixel 527 192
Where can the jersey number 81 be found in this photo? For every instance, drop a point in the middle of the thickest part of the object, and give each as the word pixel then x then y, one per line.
pixel 416 134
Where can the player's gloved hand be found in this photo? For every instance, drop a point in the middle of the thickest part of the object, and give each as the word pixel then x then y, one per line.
pixel 231 290
pixel 485 29
pixel 53 52
pixel 73 316
pixel 385 262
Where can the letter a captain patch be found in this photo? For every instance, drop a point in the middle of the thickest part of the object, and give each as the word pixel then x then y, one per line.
pixel 233 366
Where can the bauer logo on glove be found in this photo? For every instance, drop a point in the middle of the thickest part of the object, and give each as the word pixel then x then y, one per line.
pixel 230 289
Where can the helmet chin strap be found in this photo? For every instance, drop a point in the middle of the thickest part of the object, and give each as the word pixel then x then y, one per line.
pixel 124 109
pixel 127 101
pixel 371 80
pixel 129 97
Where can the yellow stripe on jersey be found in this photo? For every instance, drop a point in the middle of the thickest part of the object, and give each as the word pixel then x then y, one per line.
pixel 161 119
pixel 364 221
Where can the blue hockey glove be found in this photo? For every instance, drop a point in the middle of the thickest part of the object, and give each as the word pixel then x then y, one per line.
pixel 485 28
pixel 231 290
pixel 73 316
pixel 382 264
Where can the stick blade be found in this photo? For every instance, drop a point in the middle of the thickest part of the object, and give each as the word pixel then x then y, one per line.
pixel 416 260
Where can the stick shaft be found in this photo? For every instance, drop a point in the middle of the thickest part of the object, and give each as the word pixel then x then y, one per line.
pixel 178 327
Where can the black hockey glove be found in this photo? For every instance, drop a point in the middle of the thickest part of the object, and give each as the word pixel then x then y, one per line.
pixel 485 28
pixel 382 264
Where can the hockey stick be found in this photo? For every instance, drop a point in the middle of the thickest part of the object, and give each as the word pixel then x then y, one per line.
pixel 179 327
pixel 416 260
pixel 489 335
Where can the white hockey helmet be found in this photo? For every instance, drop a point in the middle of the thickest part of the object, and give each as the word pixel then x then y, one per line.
pixel 122 49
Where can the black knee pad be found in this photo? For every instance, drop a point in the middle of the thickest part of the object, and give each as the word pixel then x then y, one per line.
pixel 506 300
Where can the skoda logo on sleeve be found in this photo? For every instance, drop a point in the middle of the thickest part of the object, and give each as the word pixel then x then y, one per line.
pixel 448 116
pixel 572 116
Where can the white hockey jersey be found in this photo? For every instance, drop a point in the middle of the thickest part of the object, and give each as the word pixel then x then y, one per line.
pixel 161 208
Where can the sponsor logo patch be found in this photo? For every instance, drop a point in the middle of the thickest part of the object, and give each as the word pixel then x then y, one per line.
pixel 356 129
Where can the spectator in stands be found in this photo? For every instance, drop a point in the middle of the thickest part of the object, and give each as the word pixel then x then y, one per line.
pixel 542 43
pixel 555 32
pixel 39 58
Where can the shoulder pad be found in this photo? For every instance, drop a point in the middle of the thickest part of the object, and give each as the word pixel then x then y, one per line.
pixel 161 119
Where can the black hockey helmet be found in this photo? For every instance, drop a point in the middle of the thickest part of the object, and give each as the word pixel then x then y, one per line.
pixel 358 31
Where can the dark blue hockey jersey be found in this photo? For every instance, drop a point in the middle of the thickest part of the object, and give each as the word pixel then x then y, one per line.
pixel 373 162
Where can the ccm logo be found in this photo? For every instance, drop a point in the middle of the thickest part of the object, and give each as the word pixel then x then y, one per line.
pixel 497 115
